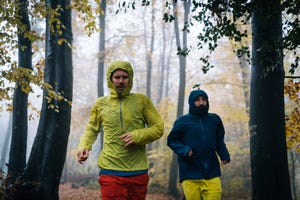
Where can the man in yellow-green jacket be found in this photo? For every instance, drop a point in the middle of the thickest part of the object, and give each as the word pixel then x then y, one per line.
pixel 129 121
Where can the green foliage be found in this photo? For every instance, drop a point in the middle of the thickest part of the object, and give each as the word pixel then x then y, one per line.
pixel 219 19
pixel 197 86
pixel 291 30
pixel 183 51
pixel 231 19
pixel 124 5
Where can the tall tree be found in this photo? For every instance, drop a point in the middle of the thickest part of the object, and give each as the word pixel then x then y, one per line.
pixel 245 72
pixel 292 156
pixel 162 67
pixel 167 78
pixel 6 141
pixel 48 153
pixel 149 49
pixel 17 156
pixel 165 57
pixel 181 47
pixel 269 166
pixel 101 56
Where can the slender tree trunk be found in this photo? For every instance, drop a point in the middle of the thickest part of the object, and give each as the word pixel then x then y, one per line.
pixel 167 86
pixel 101 56
pixel 48 153
pixel 182 59
pixel 101 60
pixel 149 51
pixel 293 175
pixel 245 81
pixel 269 165
pixel 161 73
pixel 6 143
pixel 181 93
pixel 17 156
pixel 165 61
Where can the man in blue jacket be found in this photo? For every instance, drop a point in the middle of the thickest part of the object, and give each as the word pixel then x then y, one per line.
pixel 198 139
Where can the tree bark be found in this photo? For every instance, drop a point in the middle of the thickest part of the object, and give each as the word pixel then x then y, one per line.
pixel 181 93
pixel 269 165
pixel 48 153
pixel 17 155
pixel 162 67
pixel 149 51
pixel 167 84
pixel 245 81
pixel 293 175
pixel 6 142
pixel 101 60
pixel 101 56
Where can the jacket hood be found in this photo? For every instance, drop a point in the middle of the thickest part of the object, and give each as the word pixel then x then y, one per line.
pixel 197 110
pixel 195 94
pixel 124 65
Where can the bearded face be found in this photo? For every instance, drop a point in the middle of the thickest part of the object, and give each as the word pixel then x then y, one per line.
pixel 200 106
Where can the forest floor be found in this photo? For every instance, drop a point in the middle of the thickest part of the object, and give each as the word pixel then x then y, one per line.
pixel 67 191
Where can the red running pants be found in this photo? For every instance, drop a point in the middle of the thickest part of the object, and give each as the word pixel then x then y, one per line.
pixel 124 187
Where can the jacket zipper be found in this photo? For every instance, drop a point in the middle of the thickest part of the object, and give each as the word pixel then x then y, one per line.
pixel 202 129
pixel 204 138
pixel 121 118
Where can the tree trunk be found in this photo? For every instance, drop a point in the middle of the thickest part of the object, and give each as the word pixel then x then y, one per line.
pixel 6 142
pixel 162 67
pixel 269 165
pixel 149 52
pixel 17 156
pixel 48 153
pixel 165 57
pixel 245 81
pixel 101 56
pixel 167 85
pixel 181 93
pixel 293 175
pixel 101 60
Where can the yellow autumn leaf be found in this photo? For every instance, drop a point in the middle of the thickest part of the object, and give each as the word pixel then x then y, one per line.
pixel 9 108
pixel 60 41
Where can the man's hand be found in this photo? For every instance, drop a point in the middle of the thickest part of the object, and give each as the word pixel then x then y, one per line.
pixel 190 154
pixel 127 138
pixel 82 155
pixel 224 162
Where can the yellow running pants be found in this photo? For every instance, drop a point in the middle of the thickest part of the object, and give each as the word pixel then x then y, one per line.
pixel 202 189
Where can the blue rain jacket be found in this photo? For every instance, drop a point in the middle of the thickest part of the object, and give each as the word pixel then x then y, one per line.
pixel 204 134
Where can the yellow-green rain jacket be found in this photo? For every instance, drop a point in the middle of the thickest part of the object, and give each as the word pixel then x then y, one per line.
pixel 131 112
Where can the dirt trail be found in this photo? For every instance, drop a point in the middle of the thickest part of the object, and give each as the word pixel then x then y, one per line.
pixel 71 192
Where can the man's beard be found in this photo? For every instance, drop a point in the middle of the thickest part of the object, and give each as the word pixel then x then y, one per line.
pixel 200 110
pixel 120 88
